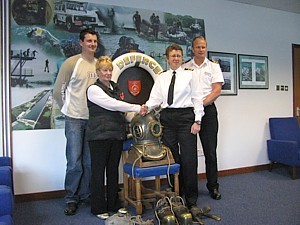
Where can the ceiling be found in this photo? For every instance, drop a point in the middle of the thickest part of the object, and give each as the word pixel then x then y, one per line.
pixel 292 6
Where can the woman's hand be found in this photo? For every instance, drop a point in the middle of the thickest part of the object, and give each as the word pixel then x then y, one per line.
pixel 195 128
pixel 143 110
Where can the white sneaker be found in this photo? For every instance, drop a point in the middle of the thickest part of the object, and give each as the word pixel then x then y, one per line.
pixel 122 211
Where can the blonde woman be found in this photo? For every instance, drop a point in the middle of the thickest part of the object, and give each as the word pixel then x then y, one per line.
pixel 106 133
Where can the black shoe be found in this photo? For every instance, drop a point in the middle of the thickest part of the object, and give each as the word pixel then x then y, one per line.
pixel 71 209
pixel 215 194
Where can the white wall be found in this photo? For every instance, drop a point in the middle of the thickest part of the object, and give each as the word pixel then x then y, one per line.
pixel 39 160
pixel 39 156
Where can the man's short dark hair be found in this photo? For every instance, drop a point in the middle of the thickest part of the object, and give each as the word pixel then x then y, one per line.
pixel 87 31
pixel 173 47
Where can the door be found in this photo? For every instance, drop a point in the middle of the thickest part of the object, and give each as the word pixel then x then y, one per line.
pixel 296 80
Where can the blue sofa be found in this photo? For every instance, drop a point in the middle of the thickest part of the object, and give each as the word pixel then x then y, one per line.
pixel 6 192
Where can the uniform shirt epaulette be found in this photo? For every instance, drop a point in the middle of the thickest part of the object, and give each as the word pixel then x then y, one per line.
pixel 191 69
pixel 188 60
pixel 164 71
pixel 214 61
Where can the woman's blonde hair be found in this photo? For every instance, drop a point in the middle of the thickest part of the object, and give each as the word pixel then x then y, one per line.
pixel 103 61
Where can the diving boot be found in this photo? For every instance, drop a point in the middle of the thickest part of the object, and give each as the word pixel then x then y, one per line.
pixel 181 212
pixel 205 212
pixel 164 213
pixel 196 214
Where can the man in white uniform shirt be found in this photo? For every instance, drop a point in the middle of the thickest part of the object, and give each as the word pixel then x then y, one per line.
pixel 211 79
pixel 181 118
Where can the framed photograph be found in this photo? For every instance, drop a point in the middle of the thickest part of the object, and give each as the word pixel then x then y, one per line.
pixel 253 72
pixel 228 64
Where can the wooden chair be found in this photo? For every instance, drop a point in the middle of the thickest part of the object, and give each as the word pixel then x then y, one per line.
pixel 134 192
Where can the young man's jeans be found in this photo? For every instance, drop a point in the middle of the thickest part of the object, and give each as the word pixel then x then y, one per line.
pixel 78 173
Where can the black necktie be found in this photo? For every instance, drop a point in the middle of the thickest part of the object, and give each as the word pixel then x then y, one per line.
pixel 171 89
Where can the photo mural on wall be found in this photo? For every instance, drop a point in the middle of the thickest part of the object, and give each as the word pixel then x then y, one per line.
pixel 46 32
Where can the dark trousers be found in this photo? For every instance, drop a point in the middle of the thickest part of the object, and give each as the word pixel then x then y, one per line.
pixel 105 157
pixel 183 144
pixel 208 136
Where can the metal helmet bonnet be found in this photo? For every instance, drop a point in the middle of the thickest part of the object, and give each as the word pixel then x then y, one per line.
pixel 146 133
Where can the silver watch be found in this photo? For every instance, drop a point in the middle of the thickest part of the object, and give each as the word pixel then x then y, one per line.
pixel 198 122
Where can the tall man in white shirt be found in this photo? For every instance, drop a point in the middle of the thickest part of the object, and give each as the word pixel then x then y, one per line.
pixel 181 115
pixel 211 79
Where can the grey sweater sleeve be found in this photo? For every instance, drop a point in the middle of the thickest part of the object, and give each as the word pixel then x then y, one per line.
pixel 62 81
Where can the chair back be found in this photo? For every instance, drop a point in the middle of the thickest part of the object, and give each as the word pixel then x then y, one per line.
pixel 285 128
pixel 5 161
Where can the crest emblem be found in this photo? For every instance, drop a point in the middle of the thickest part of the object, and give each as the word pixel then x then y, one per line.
pixel 134 87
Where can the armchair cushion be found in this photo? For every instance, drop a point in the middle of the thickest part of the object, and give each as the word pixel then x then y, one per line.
pixel 5 161
pixel 286 152
pixel 6 220
pixel 7 201
pixel 6 191
pixel 6 176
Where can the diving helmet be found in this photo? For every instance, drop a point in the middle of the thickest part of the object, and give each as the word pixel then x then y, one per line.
pixel 146 133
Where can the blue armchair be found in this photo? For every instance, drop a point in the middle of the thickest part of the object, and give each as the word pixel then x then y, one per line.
pixel 5 161
pixel 284 145
pixel 6 177
pixel 6 192
pixel 6 205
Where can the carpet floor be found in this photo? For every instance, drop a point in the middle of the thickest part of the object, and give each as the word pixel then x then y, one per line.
pixel 258 198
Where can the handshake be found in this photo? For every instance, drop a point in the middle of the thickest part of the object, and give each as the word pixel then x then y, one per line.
pixel 143 110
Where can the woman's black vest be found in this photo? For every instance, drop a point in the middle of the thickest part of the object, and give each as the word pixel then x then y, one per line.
pixel 104 124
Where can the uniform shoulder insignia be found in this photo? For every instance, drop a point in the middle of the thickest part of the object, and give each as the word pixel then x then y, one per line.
pixel 214 61
pixel 191 69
